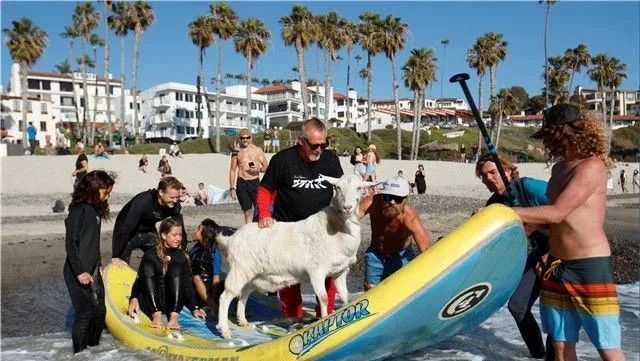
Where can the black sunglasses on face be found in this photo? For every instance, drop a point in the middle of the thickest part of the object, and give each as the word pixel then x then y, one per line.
pixel 245 138
pixel 315 146
pixel 388 198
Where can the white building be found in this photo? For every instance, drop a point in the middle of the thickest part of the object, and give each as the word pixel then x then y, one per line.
pixel 451 103
pixel 626 102
pixel 170 111
pixel 39 112
pixel 403 103
pixel 346 103
pixel 55 93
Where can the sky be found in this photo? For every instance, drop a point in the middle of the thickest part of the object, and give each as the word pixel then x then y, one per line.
pixel 167 53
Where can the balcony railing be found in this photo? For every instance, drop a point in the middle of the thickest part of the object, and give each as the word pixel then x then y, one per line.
pixel 161 102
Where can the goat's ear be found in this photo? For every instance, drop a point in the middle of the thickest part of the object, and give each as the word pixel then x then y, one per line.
pixel 331 180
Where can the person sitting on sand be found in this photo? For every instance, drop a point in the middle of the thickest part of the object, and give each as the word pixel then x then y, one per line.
pixel 135 226
pixel 174 150
pixel 99 151
pixel 206 264
pixel 164 281
pixel 395 225
pixel 143 164
pixel 164 167
pixel 185 198
pixel 530 192
pixel 202 198
pixel 82 268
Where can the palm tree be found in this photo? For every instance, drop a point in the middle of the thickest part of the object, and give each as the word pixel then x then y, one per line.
pixel 107 49
pixel 331 39
pixel 419 71
pixel 496 49
pixel 300 30
pixel 63 67
pixel 201 34
pixel 350 34
pixel 546 27
pixel 477 59
pixel 119 23
pixel 26 43
pixel 616 71
pixel 368 28
pixel 142 17
pixel 85 20
pixel 95 42
pixel 576 59
pixel 251 40
pixel 225 26
pixel 392 35
pixel 558 76
pixel 598 73
pixel 507 104
pixel 444 43
pixel 71 34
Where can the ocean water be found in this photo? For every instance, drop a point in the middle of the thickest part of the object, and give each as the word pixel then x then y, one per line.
pixel 495 339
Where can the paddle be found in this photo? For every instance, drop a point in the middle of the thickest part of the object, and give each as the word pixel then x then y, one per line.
pixel 462 80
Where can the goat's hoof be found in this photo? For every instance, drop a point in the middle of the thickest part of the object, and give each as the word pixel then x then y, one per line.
pixel 226 334
pixel 243 323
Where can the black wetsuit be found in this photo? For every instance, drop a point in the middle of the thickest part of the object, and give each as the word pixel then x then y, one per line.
pixel 135 226
pixel 420 183
pixel 82 243
pixel 166 293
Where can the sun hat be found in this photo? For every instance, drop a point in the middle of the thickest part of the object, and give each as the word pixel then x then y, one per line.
pixel 395 186
pixel 372 146
pixel 557 114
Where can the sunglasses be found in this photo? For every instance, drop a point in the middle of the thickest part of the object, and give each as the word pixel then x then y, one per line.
pixel 396 199
pixel 315 146
pixel 245 138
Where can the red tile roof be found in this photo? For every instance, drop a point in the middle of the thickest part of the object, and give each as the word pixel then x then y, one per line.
pixel 278 88
pixel 339 96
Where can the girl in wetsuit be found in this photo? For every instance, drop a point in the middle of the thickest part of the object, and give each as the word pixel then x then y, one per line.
pixel 82 273
pixel 206 264
pixel 164 281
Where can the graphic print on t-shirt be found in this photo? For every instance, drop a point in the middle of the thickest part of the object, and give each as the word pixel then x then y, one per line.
pixel 302 182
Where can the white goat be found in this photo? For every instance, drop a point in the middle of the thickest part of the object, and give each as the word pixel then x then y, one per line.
pixel 287 253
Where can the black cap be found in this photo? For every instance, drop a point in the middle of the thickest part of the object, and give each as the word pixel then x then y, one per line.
pixel 558 114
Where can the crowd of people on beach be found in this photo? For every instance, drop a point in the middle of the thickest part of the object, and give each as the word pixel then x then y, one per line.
pixel 568 266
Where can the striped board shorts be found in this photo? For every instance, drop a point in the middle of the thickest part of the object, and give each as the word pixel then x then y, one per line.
pixel 581 293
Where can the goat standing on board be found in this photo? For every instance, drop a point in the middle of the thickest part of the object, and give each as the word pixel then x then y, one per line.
pixel 288 253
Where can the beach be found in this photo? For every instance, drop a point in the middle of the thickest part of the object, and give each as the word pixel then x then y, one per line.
pixel 32 236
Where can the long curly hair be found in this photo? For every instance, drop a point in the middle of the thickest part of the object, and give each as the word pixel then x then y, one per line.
pixel 161 250
pixel 584 138
pixel 88 191
pixel 210 230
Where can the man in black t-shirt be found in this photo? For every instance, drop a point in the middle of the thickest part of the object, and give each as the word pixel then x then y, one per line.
pixel 135 226
pixel 291 184
pixel 82 164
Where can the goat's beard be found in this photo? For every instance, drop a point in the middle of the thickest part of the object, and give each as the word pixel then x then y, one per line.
pixel 391 212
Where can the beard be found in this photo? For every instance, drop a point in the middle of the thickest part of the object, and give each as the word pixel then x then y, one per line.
pixel 391 212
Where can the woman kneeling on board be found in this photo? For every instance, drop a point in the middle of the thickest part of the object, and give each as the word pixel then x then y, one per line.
pixel 164 282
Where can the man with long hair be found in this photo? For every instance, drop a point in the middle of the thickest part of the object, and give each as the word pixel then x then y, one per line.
pixel 577 287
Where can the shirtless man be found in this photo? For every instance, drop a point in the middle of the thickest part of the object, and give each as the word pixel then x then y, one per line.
pixel 244 173
pixel 395 224
pixel 577 288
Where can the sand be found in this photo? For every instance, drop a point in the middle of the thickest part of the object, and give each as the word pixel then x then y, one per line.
pixel 32 237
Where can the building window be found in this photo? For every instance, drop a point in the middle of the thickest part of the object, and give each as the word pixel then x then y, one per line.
pixel 66 86
pixel 188 98
pixel 46 85
pixel 43 126
pixel 16 105
pixel 130 105
pixel 179 129
pixel 30 107
pixel 340 114
pixel 81 102
pixel 179 96
pixel 43 108
pixel 20 125
pixel 340 102
pixel 66 101
pixel 33 84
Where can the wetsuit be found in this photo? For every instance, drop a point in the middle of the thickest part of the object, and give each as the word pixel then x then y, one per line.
pixel 165 293
pixel 135 226
pixel 530 193
pixel 82 243
pixel 298 195
pixel 206 262
pixel 81 157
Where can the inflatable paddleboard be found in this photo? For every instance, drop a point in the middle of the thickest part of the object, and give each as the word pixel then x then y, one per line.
pixel 454 286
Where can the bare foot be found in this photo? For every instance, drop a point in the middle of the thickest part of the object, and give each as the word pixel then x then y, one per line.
pixel 173 321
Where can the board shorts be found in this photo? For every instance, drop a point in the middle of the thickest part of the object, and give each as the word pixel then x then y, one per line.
pixel 371 169
pixel 379 266
pixel 246 191
pixel 275 142
pixel 360 169
pixel 581 293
